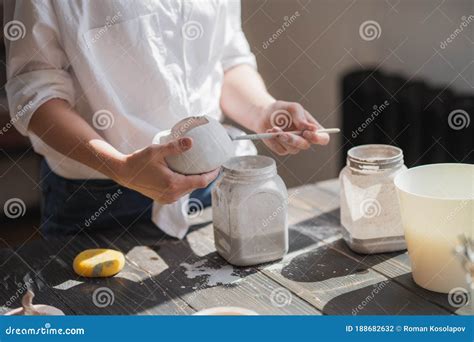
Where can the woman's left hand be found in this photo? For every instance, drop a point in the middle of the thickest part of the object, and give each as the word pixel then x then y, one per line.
pixel 283 116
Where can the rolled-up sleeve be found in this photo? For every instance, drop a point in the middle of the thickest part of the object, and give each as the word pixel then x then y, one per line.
pixel 36 62
pixel 237 50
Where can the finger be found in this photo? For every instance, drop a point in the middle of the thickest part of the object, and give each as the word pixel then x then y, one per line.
pixel 312 136
pixel 294 141
pixel 312 127
pixel 288 149
pixel 312 121
pixel 176 147
pixel 316 138
pixel 322 138
pixel 298 116
pixel 189 183
pixel 274 144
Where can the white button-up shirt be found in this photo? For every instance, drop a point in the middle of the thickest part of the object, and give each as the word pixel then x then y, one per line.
pixel 129 68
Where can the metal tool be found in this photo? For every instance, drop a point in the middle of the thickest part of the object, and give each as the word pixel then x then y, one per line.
pixel 272 135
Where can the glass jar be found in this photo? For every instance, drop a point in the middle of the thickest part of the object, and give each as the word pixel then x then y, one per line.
pixel 370 214
pixel 250 211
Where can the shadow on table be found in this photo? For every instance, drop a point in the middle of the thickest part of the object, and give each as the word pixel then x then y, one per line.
pixel 390 297
pixel 47 267
pixel 331 263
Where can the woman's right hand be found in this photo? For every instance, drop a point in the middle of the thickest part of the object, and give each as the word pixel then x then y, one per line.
pixel 146 171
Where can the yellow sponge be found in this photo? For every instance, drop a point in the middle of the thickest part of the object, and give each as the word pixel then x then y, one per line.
pixel 98 262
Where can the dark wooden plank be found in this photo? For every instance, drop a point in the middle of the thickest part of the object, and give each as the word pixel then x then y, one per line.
pixel 397 267
pixel 192 270
pixel 339 285
pixel 16 276
pixel 130 292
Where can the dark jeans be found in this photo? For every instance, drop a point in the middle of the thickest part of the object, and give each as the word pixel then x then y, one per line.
pixel 72 205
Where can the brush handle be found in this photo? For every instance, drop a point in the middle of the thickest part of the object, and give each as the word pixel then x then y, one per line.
pixel 272 135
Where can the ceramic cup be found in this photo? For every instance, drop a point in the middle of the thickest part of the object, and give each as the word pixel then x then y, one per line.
pixel 212 145
pixel 35 310
pixel 226 311
pixel 437 207
pixel 39 309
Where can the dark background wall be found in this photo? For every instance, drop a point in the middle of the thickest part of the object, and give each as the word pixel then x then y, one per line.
pixel 306 62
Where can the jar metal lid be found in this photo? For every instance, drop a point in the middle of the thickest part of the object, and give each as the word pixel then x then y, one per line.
pixel 374 157
pixel 249 166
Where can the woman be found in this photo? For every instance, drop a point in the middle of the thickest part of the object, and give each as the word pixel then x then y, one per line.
pixel 96 80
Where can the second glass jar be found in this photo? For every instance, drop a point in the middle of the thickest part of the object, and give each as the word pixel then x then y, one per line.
pixel 370 214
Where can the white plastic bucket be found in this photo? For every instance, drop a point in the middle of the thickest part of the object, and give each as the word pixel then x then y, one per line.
pixel 437 206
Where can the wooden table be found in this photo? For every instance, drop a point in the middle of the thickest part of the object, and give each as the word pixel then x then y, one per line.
pixel 320 274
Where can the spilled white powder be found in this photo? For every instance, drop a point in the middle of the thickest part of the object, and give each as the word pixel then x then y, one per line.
pixel 215 276
pixel 68 284
pixel 59 261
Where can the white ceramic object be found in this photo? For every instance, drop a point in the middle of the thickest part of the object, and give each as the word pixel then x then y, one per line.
pixel 437 208
pixel 28 309
pixel 226 311
pixel 212 145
